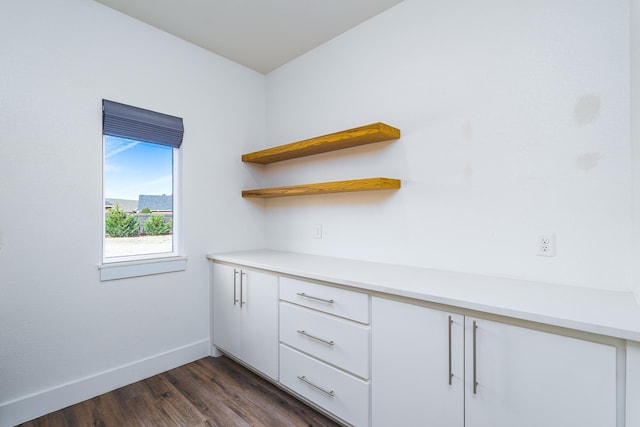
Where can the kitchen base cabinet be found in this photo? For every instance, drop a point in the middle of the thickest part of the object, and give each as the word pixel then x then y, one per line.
pixel 245 316
pixel 530 378
pixel 374 357
pixel 325 345
pixel 502 375
pixel 227 333
pixel 417 366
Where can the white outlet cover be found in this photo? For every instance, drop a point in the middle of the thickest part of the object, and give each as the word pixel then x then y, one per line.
pixel 546 244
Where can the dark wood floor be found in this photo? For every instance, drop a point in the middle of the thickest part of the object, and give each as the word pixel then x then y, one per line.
pixel 208 392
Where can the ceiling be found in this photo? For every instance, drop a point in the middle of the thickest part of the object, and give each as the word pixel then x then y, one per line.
pixel 259 34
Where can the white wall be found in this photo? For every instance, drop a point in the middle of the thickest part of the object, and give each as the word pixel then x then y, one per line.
pixel 63 334
pixel 514 120
pixel 635 137
pixel 633 349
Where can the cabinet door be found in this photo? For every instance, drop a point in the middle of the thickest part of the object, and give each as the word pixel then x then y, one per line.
pixel 410 375
pixel 226 309
pixel 260 321
pixel 529 378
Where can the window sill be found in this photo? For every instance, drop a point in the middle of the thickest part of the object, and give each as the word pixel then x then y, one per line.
pixel 124 270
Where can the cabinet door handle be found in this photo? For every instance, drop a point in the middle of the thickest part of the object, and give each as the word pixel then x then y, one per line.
pixel 303 332
pixel 242 273
pixel 302 294
pixel 235 298
pixel 317 387
pixel 475 369
pixel 450 368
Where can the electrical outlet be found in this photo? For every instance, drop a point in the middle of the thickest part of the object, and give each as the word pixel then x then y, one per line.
pixel 317 231
pixel 546 244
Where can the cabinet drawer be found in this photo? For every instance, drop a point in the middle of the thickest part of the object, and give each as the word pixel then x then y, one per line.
pixel 340 302
pixel 340 342
pixel 338 392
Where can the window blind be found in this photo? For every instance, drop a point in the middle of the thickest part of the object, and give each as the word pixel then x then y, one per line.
pixel 135 123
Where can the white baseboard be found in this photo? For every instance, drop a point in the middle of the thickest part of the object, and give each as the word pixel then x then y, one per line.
pixel 53 399
pixel 215 352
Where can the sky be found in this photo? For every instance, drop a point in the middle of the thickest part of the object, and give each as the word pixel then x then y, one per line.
pixel 132 168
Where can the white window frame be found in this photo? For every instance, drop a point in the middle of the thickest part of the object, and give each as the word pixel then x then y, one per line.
pixel 147 264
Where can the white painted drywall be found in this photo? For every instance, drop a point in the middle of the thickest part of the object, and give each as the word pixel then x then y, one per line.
pixel 635 138
pixel 514 120
pixel 59 324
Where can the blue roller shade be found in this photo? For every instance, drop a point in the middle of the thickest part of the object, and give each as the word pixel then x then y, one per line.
pixel 135 123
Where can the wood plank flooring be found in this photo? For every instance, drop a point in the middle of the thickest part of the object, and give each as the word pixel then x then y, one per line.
pixel 213 392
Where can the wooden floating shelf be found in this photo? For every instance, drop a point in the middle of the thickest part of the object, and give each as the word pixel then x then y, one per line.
pixel 375 132
pixel 367 184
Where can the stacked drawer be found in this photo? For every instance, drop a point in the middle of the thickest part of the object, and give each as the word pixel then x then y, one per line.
pixel 324 347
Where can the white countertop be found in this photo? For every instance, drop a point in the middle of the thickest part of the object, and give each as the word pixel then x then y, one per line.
pixel 615 314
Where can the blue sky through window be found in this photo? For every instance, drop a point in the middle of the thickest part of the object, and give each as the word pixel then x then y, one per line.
pixel 133 168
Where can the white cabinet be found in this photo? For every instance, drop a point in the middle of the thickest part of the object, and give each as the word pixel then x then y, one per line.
pixel 334 390
pixel 417 368
pixel 245 316
pixel 387 360
pixel 327 299
pixel 501 375
pixel 227 333
pixel 531 378
pixel 324 350
pixel 331 339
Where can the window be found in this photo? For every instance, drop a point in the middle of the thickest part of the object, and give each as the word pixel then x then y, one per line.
pixel 140 183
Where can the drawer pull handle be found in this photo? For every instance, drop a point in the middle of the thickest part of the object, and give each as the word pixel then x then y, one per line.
pixel 303 332
pixel 235 275
pixel 450 367
pixel 242 273
pixel 304 379
pixel 302 294
pixel 475 369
